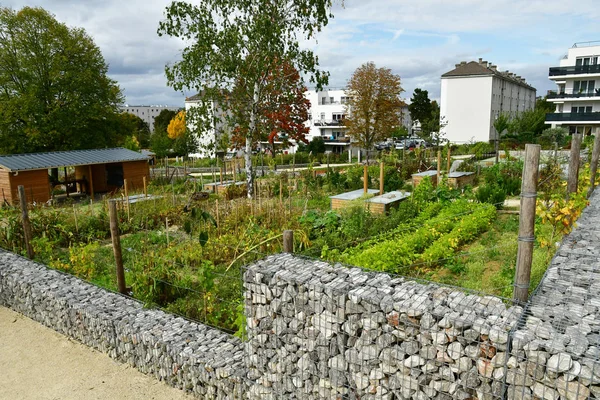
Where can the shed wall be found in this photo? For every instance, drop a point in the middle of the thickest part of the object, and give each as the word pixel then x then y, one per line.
pixel 36 183
pixel 135 172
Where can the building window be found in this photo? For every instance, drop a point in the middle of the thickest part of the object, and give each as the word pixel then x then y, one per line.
pixel 346 99
pixel 586 61
pixel 582 109
pixel 322 116
pixel 584 86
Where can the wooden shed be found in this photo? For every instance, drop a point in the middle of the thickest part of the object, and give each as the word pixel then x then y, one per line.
pixel 97 170
pixel 417 178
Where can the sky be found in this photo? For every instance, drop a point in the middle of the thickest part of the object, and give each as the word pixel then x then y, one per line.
pixel 417 39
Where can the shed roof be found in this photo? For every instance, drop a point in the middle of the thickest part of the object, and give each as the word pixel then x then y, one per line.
pixel 57 159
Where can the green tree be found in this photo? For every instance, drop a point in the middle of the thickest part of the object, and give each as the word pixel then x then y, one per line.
pixel 134 126
pixel 420 106
pixel 374 108
pixel 432 128
pixel 234 42
pixel 54 92
pixel 501 123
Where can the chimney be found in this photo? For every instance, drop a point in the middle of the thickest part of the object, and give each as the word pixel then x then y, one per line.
pixel 480 60
pixel 463 63
pixel 493 68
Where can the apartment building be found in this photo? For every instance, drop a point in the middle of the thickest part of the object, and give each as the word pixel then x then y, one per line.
pixel 326 118
pixel 146 113
pixel 208 140
pixel 474 94
pixel 577 95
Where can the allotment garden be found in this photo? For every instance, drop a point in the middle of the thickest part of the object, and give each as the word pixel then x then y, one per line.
pixel 183 250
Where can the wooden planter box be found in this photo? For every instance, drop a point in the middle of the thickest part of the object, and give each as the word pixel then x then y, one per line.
pixel 345 199
pixel 382 204
pixel 417 178
pixel 460 179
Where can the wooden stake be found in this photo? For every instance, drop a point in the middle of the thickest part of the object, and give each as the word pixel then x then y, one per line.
pixel 366 179
pixel 75 215
pixel 167 230
pixel 574 164
pixel 448 163
pixel 288 241
pixel 280 191
pixel 217 212
pixel 91 181
pixel 594 164
pixel 381 177
pixel 116 242
pixel 221 172
pixel 25 222
pixel 145 187
pixel 527 222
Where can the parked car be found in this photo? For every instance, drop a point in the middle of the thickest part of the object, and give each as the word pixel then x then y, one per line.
pixel 383 146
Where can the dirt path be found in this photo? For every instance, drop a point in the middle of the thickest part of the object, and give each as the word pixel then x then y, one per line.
pixel 39 363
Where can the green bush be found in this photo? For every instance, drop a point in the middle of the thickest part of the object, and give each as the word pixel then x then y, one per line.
pixel 492 194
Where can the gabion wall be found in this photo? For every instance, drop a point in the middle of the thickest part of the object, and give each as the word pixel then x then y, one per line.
pixel 187 355
pixel 321 331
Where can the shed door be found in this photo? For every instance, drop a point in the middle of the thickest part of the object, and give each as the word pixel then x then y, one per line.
pixel 114 175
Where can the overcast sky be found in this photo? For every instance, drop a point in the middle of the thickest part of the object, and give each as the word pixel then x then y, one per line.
pixel 418 39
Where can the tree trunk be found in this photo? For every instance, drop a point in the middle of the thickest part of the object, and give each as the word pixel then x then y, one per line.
pixel 248 151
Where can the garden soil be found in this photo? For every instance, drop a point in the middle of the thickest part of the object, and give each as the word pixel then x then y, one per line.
pixel 39 363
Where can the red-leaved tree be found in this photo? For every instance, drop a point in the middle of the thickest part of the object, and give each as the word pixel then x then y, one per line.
pixel 282 110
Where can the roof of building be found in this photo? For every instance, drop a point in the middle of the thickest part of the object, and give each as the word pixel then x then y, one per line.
pixel 483 68
pixel 58 159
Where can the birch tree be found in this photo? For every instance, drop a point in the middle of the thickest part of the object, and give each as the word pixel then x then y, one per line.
pixel 229 41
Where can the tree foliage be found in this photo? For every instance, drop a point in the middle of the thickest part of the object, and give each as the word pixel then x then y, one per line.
pixel 134 127
pixel 374 109
pixel 420 106
pixel 233 43
pixel 163 119
pixel 280 115
pixel 54 92
pixel 501 123
pixel 176 127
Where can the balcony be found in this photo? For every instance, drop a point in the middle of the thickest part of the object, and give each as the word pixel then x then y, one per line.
pixel 331 122
pixel 339 140
pixel 569 94
pixel 570 117
pixel 575 70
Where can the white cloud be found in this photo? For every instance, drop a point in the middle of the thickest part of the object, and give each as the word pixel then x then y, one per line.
pixel 419 40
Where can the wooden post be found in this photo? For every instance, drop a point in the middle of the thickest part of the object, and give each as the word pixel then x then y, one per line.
pixel 66 182
pixel 366 179
pixel 288 241
pixel 25 222
pixel 116 242
pixel 594 164
pixel 449 162
pixel 145 187
pixel 526 237
pixel 574 164
pixel 381 177
pixel 166 167
pixel 439 165
pixel 496 148
pixel 91 181
pixel 221 178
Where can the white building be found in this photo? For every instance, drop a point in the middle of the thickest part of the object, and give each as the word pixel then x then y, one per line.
pixel 146 113
pixel 207 139
pixel 474 94
pixel 577 97
pixel 326 116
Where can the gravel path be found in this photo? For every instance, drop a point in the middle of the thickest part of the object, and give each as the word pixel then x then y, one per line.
pixel 39 363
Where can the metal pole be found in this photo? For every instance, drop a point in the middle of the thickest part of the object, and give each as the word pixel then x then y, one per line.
pixel 574 164
pixel 116 242
pixel 288 241
pixel 25 221
pixel 439 165
pixel 594 164
pixel 527 222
